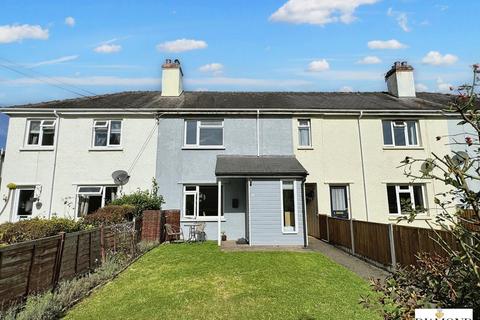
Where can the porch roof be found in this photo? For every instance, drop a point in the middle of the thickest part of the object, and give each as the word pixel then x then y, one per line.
pixel 259 166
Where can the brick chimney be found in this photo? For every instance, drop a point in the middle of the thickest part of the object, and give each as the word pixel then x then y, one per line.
pixel 400 82
pixel 172 84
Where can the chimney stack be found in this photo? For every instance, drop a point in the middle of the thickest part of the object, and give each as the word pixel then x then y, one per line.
pixel 400 82
pixel 172 84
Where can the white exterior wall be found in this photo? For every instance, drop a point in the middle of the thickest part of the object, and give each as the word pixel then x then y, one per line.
pixel 335 159
pixel 77 162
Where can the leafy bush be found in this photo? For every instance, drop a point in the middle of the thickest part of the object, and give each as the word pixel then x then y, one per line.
pixel 436 282
pixel 36 228
pixel 111 214
pixel 142 200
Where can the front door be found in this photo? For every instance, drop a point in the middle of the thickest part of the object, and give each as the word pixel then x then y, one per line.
pixel 312 210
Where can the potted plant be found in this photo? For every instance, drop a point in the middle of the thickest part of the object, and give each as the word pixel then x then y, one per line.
pixel 224 236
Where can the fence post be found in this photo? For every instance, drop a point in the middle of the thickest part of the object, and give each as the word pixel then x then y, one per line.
pixel 328 229
pixel 58 260
pixel 102 243
pixel 30 267
pixel 90 250
pixel 76 254
pixel 351 236
pixel 392 245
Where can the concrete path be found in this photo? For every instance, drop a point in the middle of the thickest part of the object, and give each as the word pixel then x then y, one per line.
pixel 360 267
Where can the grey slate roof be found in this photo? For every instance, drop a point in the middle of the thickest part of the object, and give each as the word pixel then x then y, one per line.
pixel 253 100
pixel 253 166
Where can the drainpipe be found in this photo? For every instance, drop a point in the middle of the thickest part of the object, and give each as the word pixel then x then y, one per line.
pixel 258 132
pixel 363 163
pixel 57 130
pixel 304 202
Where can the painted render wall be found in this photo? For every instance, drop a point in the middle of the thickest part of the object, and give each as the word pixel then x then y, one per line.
pixel 177 166
pixel 77 163
pixel 335 159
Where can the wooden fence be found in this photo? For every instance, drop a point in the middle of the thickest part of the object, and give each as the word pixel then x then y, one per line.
pixel 39 265
pixel 385 244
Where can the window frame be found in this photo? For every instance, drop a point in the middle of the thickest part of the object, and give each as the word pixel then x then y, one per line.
pixel 295 209
pixel 196 194
pixel 347 200
pixel 199 125
pixel 102 193
pixel 109 131
pixel 409 191
pixel 309 127
pixel 18 190
pixel 39 145
pixel 408 143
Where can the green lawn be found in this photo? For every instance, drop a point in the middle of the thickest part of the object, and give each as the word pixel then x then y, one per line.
pixel 198 281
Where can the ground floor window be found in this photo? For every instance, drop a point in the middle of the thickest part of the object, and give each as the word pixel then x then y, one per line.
pixel 403 197
pixel 339 201
pixel 200 201
pixel 24 203
pixel 289 217
pixel 92 198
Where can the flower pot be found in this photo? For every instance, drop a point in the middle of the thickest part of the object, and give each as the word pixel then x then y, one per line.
pixel 224 237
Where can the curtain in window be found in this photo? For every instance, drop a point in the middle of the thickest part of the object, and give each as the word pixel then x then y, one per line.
pixel 412 132
pixel 304 136
pixel 339 196
pixel 100 137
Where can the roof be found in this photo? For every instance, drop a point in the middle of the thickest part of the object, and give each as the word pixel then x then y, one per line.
pixel 190 100
pixel 259 166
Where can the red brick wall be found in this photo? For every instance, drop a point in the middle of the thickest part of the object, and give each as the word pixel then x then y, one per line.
pixel 153 221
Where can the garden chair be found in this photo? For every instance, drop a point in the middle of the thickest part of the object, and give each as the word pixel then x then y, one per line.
pixel 174 234
pixel 200 234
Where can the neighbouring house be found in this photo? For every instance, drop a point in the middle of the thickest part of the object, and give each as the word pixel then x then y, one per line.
pixel 255 166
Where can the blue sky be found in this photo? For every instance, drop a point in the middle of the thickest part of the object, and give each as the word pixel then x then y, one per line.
pixel 94 47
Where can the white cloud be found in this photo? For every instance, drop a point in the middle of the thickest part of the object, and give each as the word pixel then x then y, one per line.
pixel 318 66
pixel 346 89
pixel 370 60
pixel 215 68
pixel 420 87
pixel 108 48
pixel 435 58
pixel 318 12
pixel 181 45
pixel 401 17
pixel 387 44
pixel 443 86
pixel 54 61
pixel 16 33
pixel 70 21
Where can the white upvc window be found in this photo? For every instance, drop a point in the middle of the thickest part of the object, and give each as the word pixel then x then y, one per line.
pixel 24 201
pixel 200 202
pixel 304 133
pixel 339 195
pixel 203 133
pixel 92 198
pixel 40 133
pixel 107 133
pixel 288 196
pixel 401 197
pixel 399 133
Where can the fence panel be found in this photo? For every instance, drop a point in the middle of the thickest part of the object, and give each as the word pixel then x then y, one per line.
pixel 372 241
pixel 339 232
pixel 322 225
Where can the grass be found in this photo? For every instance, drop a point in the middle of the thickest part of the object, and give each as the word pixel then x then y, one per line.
pixel 198 281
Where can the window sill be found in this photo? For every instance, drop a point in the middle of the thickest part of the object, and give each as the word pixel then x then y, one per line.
pixel 204 148
pixel 104 149
pixel 305 148
pixel 290 232
pixel 37 149
pixel 186 220
pixel 403 148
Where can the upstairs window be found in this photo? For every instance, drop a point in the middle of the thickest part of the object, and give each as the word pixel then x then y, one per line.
pixel 107 133
pixel 403 197
pixel 41 132
pixel 203 133
pixel 304 133
pixel 399 133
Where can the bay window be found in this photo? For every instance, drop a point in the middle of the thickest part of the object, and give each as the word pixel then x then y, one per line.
pixel 399 133
pixel 401 198
pixel 203 133
pixel 40 132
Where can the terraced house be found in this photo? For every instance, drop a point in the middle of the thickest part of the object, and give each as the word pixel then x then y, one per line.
pixel 257 166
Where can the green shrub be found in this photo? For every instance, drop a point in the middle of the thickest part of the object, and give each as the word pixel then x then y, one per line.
pixel 36 228
pixel 142 200
pixel 111 214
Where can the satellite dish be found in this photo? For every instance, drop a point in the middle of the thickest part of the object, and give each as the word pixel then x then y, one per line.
pixel 460 158
pixel 427 166
pixel 120 177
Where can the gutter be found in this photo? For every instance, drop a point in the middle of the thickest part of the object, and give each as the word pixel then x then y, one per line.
pixel 57 130
pixel 360 115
